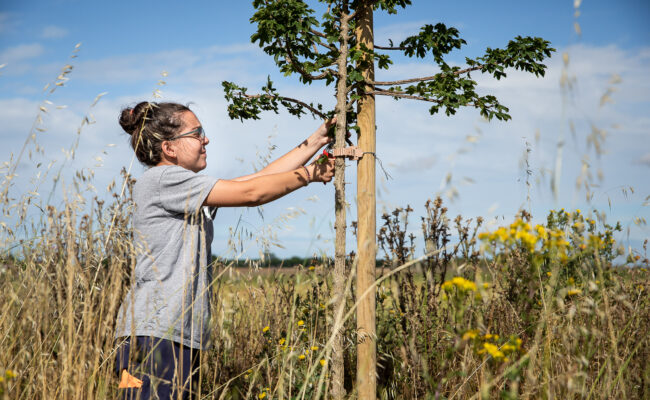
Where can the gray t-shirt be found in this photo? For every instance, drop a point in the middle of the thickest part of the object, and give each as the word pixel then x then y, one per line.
pixel 170 297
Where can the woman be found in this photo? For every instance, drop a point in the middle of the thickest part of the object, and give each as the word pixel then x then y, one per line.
pixel 162 322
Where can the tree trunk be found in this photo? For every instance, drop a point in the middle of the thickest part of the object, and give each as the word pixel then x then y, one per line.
pixel 366 211
pixel 337 391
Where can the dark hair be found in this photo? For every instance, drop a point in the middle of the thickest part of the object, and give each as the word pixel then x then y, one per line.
pixel 149 124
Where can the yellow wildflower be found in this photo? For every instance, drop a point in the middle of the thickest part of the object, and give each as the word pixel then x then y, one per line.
pixel 573 292
pixel 463 284
pixel 281 341
pixel 501 234
pixel 507 347
pixel 322 362
pixel 311 268
pixel 314 348
pixel 470 334
pixel 549 274
pixel 301 357
pixel 266 329
pixel 261 395
pixel 301 323
pixel 595 241
pixel 493 350
pixel 486 285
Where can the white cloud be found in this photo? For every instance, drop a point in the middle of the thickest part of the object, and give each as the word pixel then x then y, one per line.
pixel 7 23
pixel 202 66
pixel 54 32
pixel 645 159
pixel 397 32
pixel 417 164
pixel 21 53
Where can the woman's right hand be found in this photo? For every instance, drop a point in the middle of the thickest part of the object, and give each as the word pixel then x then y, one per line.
pixel 323 172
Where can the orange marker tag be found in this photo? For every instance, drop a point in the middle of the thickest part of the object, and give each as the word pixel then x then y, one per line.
pixel 129 381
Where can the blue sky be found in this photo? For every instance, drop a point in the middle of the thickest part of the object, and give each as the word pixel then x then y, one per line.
pixel 125 46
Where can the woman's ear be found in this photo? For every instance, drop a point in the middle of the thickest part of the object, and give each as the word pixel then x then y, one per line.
pixel 168 149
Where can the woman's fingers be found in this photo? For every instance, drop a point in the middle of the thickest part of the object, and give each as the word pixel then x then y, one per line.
pixel 324 172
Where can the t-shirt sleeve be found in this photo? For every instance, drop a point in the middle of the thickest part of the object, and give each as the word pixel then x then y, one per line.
pixel 184 191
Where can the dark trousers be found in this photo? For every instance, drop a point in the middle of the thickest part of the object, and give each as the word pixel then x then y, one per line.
pixel 168 370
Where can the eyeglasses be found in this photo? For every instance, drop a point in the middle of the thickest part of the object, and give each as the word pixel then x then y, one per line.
pixel 197 133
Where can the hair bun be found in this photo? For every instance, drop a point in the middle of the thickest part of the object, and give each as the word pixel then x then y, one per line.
pixel 127 121
pixel 131 118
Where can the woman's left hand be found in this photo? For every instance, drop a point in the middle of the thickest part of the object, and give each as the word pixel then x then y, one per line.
pixel 321 132
pixel 324 138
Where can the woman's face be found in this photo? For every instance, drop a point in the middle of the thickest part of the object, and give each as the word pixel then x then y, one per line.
pixel 190 149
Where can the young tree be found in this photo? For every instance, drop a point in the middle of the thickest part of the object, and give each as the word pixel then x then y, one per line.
pixel 338 49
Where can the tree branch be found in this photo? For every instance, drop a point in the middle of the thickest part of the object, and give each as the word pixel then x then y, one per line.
pixel 317 33
pixel 389 48
pixel 401 95
pixel 350 103
pixel 322 35
pixel 289 99
pixel 424 79
pixel 289 58
pixel 328 46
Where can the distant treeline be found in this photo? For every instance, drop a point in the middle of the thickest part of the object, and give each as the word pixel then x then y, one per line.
pixel 272 261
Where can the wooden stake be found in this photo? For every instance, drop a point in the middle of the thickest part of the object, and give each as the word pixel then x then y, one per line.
pixel 366 220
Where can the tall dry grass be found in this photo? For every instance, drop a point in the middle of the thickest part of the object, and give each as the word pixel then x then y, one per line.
pixel 489 316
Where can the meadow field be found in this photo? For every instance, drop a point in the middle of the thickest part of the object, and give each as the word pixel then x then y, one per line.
pixel 518 311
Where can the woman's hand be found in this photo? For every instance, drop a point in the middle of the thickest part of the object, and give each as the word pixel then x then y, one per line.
pixel 322 172
pixel 321 133
pixel 322 137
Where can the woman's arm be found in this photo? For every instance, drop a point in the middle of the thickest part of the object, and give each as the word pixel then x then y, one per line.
pixel 298 156
pixel 263 189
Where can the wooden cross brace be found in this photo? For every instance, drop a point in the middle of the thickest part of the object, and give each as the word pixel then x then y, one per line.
pixel 352 152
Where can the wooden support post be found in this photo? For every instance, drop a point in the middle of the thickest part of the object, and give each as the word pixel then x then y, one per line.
pixel 366 220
